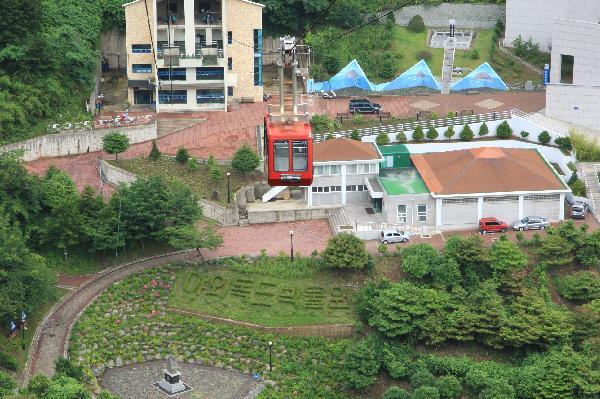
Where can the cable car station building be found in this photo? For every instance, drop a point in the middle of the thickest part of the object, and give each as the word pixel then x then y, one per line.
pixel 448 190
pixel 193 55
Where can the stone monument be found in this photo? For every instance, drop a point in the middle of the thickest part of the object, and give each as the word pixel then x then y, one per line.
pixel 172 384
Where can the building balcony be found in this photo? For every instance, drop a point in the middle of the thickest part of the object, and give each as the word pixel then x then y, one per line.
pixel 201 57
pixel 208 18
pixel 162 20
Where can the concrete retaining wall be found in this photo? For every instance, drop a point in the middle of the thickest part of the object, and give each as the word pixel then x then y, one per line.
pixel 113 175
pixel 220 214
pixel 467 16
pixel 76 142
pixel 288 215
pixel 114 48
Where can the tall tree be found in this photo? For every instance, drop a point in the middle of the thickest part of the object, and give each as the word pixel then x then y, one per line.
pixel 115 143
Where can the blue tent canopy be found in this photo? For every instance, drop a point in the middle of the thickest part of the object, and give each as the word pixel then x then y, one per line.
pixel 351 75
pixel 482 77
pixel 419 75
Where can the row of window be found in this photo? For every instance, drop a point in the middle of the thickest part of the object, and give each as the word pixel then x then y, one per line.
pixel 508 198
pixel 421 213
pixel 202 73
pixel 203 96
pixel 333 170
pixel 542 197
pixel 333 189
pixel 459 201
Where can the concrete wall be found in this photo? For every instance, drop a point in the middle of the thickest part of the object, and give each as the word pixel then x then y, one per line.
pixel 471 16
pixel 390 208
pixel 576 104
pixel 77 142
pixel 289 216
pixel 113 44
pixel 220 214
pixel 113 175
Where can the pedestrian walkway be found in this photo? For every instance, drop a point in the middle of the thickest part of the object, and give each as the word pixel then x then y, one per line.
pixel 559 126
pixel 590 172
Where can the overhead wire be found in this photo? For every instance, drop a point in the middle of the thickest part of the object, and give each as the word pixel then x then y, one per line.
pixel 314 22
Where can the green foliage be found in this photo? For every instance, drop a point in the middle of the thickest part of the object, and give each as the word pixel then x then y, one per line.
pixel 7 385
pixel 362 362
pixel 418 134
pixel 424 55
pixel 216 173
pixel 322 123
pixel 474 54
pixel 466 134
pixel 189 236
pixel 432 133
pixel 529 51
pixel 504 131
pixel 192 165
pixel 483 129
pixel 449 133
pixel 417 260
pixel 182 155
pixel 416 24
pixel 586 149
pixel 578 188
pixel 64 387
pixel 382 249
pixel 497 388
pixel 426 392
pixel 422 378
pixel 396 393
pixel 115 143
pixel 245 159
pixel 8 362
pixel 346 251
pixel 564 143
pixel 154 152
pixel 358 119
pixel 556 251
pixel 449 387
pixel 382 138
pixel 397 360
pixel 401 138
pixel 579 286
pixel 69 369
pixel 506 259
pixel 573 178
pixel 544 137
pixel 354 135
pixel 524 134
pixel 38 385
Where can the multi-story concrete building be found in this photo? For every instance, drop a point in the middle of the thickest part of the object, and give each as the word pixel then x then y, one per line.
pixel 193 55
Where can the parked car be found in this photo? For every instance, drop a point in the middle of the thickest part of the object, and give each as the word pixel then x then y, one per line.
pixel 388 236
pixel 328 94
pixel 531 223
pixel 364 106
pixel 579 210
pixel 492 225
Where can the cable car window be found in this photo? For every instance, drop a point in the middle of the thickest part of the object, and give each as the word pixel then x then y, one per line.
pixel 281 155
pixel 300 155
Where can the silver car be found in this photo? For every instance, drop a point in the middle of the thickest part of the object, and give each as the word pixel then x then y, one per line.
pixel 388 236
pixel 579 210
pixel 531 223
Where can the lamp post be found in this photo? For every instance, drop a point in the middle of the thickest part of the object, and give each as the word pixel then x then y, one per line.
pixel 292 245
pixel 228 190
pixel 452 23
pixel 270 356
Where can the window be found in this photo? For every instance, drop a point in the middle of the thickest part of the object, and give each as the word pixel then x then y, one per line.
pixel 172 97
pixel 177 74
pixel 172 7
pixel 364 168
pixel 461 201
pixel 258 79
pixel 210 96
pixel 207 73
pixel 230 91
pixel 141 68
pixel 229 64
pixel 281 155
pixel 300 155
pixel 508 198
pixel 319 170
pixel 353 187
pixel 336 188
pixel 422 213
pixel 335 170
pixel 229 37
pixel 401 213
pixel 351 169
pixel 566 68
pixel 141 48
pixel 542 197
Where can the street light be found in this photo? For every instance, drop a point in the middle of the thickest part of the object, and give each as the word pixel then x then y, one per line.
pixel 270 355
pixel 228 191
pixel 292 245
pixel 452 23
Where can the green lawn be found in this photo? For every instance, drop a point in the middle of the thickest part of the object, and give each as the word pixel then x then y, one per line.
pixel 199 180
pixel 270 299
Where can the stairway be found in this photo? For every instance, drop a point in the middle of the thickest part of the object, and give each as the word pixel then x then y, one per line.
pixel 243 217
pixel 269 195
pixel 167 126
pixel 592 185
pixel 448 66
pixel 339 218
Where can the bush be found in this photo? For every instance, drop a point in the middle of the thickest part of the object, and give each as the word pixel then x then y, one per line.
pixel 418 134
pixel 524 134
pixel 323 123
pixel 70 369
pixel 397 359
pixel 432 133
pixel 498 389
pixel 474 54
pixel 358 119
pixel 245 159
pixel 573 178
pixel 422 378
pixel 192 165
pixel 382 138
pixel 396 393
pixel 586 150
pixel 346 251
pixel 424 55
pixel 466 134
pixel 115 143
pixel 382 249
pixel 426 393
pixel 504 131
pixel 483 129
pixel 449 133
pixel 7 385
pixel 544 137
pixel 416 24
pixel 401 138
pixel 154 152
pixel 579 286
pixel 354 135
pixel 578 188
pixel 362 362
pixel 38 385
pixel 182 155
pixel 8 362
pixel 449 387
pixel 564 143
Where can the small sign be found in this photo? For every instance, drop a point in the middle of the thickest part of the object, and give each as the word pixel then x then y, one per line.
pixel 546 74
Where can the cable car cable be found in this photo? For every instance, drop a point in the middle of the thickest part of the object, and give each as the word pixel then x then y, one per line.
pixel 314 22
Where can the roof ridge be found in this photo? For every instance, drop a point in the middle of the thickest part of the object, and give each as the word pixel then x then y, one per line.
pixel 466 168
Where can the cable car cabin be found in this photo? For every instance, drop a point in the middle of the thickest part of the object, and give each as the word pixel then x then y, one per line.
pixel 288 150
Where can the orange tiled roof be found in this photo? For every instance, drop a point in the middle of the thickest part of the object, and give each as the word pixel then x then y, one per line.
pixel 343 150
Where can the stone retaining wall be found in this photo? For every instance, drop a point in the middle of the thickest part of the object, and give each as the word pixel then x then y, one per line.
pixel 76 142
pixel 113 175
pixel 467 16
pixel 222 215
pixel 275 216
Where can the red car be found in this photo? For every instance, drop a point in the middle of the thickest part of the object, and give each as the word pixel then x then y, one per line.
pixel 492 225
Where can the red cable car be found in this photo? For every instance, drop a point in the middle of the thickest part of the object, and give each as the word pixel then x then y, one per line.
pixel 288 153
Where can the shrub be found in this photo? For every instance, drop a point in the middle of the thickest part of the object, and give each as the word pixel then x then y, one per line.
pixel 426 393
pixel 382 138
pixel 422 378
pixel 397 359
pixel 573 178
pixel 346 251
pixel 498 388
pixel 418 134
pixel 579 286
pixel 362 362
pixel 524 134
pixel 245 159
pixel 544 137
pixel 7 385
pixel 449 133
pixel 432 133
pixel 182 155
pixel 396 393
pixel 8 362
pixel 358 119
pixel 115 143
pixel 483 129
pixel 504 131
pixel 578 188
pixel 154 152
pixel 38 385
pixel 354 135
pixel 449 387
pixel 466 134
pixel 401 138
pixel 382 249
pixel 564 143
pixel 474 54
pixel 424 55
pixel 586 150
pixel 416 24
pixel 68 368
pixel 192 165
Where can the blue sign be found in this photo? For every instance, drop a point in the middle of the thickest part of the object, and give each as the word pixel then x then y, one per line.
pixel 546 74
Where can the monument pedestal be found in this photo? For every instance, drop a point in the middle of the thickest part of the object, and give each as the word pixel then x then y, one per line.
pixel 172 383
